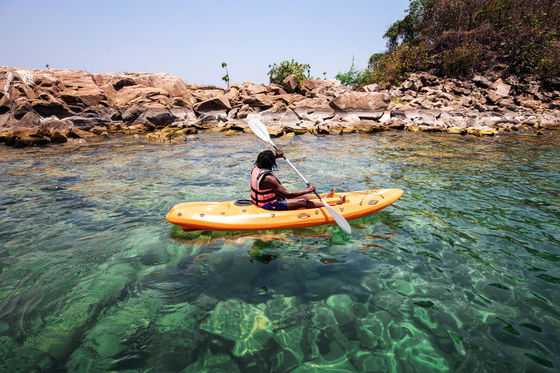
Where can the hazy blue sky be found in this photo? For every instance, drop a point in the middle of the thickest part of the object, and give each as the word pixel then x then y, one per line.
pixel 190 39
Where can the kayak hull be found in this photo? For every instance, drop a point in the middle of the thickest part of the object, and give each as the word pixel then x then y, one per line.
pixel 229 216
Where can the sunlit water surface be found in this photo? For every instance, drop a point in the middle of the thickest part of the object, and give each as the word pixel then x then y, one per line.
pixel 462 274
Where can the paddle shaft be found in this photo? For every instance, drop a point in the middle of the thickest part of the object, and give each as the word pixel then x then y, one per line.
pixel 300 175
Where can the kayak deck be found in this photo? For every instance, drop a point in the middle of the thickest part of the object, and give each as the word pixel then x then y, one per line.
pixel 229 216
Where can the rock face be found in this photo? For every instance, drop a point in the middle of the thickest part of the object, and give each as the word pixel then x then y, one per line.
pixel 56 106
pixel 360 101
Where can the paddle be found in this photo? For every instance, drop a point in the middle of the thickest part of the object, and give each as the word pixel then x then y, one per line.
pixel 260 130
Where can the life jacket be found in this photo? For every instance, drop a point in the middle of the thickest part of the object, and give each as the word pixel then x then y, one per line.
pixel 261 197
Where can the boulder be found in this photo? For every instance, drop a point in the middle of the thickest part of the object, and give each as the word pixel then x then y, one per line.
pixel 262 101
pixel 549 125
pixel 132 113
pixel 349 101
pixel 318 103
pixel 412 84
pixel 329 127
pixel 4 103
pixel 48 108
pixel 216 103
pixel 233 95
pixel 170 135
pixel 5 119
pixel 482 131
pixel 385 118
pixel 500 88
pixel 20 107
pixel 277 89
pixel 298 128
pixel 123 82
pixel 91 96
pixel 529 103
pixel 481 81
pixel 23 137
pixel 211 119
pixel 251 89
pixel 367 126
pixel 369 88
pixel 508 104
pixel 52 124
pixel 279 116
pixel 159 118
pixel 140 95
pixel 307 85
pixel 86 123
pixel 290 83
pixel 29 120
pixel 457 130
pixel 184 115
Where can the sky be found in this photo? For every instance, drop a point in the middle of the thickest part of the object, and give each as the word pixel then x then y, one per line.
pixel 190 39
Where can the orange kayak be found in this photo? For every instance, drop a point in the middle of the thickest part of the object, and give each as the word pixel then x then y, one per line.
pixel 241 215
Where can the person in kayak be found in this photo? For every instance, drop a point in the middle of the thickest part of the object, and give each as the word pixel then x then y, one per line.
pixel 267 191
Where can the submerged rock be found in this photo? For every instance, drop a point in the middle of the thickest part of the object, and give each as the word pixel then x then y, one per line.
pixel 244 324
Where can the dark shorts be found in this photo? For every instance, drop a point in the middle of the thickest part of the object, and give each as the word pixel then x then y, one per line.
pixel 279 205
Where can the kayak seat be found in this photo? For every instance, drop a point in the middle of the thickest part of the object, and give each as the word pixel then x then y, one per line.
pixel 243 202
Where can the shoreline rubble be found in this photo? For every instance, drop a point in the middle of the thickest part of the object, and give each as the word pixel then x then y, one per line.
pixel 39 107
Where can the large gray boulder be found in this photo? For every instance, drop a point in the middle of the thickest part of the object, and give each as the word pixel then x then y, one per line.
pixel 361 101
pixel 220 102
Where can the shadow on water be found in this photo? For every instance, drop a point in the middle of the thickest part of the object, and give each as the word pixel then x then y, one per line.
pixel 310 263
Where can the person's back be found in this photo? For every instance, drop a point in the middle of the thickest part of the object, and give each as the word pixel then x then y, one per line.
pixel 267 191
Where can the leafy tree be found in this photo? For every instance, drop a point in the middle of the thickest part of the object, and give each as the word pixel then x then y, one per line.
pixel 461 37
pixel 407 29
pixel 279 72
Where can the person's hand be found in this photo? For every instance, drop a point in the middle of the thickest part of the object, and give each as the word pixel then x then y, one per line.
pixel 279 154
pixel 311 189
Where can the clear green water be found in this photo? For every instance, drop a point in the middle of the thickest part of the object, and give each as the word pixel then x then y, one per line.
pixel 460 275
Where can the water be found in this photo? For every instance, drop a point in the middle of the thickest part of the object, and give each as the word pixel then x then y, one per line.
pixel 462 274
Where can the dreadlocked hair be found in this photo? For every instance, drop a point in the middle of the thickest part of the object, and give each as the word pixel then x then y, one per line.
pixel 266 159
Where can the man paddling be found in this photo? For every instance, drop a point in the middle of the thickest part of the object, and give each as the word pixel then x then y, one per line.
pixel 267 191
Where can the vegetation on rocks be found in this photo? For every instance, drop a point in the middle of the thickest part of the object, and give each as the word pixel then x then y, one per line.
pixel 225 78
pixel 279 72
pixel 354 76
pixel 465 37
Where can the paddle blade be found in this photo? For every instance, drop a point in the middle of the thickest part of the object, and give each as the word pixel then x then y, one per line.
pixel 260 130
pixel 339 219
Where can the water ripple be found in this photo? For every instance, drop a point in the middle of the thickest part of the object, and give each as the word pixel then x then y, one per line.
pixel 460 274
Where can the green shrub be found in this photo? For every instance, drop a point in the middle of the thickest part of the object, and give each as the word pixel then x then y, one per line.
pixel 355 77
pixel 395 66
pixel 550 64
pixel 278 73
pixel 460 60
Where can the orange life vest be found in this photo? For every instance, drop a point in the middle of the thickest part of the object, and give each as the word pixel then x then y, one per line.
pixel 261 197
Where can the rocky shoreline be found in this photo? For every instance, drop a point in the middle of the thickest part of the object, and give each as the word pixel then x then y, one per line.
pixel 40 107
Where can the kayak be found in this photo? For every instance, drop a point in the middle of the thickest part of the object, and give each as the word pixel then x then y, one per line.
pixel 242 215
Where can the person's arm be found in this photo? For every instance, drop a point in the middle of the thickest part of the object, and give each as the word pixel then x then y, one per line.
pixel 272 183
